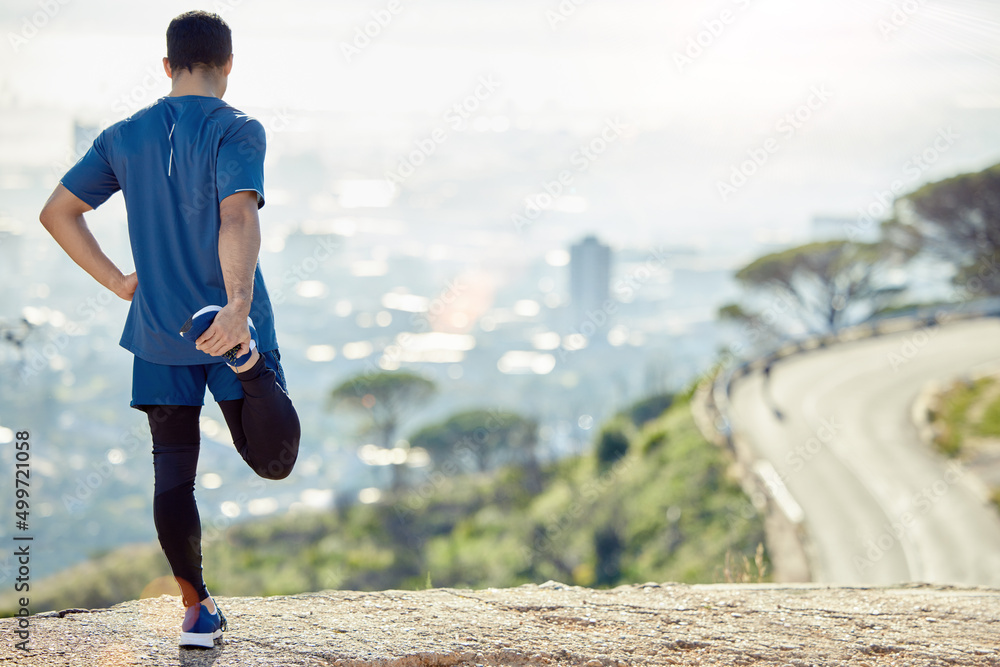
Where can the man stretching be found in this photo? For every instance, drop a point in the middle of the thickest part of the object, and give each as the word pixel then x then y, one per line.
pixel 191 170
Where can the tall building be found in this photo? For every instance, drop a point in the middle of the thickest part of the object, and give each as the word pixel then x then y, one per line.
pixel 589 284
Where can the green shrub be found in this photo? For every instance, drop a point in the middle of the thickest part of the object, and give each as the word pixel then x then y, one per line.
pixel 612 446
pixel 660 508
pixel 649 409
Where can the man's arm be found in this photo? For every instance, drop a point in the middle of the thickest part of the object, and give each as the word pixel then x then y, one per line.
pixel 239 246
pixel 62 217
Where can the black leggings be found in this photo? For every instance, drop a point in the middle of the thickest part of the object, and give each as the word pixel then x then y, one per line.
pixel 265 430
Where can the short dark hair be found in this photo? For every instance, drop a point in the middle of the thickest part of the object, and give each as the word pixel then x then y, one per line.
pixel 198 39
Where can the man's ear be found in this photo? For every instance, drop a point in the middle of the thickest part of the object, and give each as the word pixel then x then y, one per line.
pixel 228 67
pixel 166 67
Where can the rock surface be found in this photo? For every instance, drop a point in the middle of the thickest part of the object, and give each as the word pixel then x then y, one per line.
pixel 551 624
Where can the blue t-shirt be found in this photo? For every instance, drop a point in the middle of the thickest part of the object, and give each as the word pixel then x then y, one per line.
pixel 174 161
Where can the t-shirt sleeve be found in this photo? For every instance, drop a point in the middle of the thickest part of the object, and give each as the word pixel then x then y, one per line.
pixel 92 178
pixel 241 161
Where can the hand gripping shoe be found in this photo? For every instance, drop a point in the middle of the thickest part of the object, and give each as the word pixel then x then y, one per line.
pixel 199 323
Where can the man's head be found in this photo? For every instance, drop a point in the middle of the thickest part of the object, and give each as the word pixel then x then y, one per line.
pixel 198 39
pixel 199 54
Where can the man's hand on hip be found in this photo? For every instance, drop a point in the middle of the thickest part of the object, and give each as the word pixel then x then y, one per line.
pixel 125 288
pixel 228 330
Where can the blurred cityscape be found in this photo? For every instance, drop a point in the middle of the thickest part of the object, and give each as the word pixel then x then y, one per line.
pixel 365 274
pixel 554 258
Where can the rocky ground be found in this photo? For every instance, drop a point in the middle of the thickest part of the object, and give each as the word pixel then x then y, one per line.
pixel 551 624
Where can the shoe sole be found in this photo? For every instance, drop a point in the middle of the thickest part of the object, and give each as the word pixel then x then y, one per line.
pixel 199 639
pixel 206 309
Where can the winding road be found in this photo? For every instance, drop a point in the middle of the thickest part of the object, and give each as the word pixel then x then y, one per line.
pixel 879 506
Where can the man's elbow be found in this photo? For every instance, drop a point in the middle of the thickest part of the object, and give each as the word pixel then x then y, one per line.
pixel 239 210
pixel 240 219
pixel 60 207
pixel 47 217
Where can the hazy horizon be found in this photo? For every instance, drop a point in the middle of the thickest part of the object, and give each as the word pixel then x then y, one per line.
pixel 890 84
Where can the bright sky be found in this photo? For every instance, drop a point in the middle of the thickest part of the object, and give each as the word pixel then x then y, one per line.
pixel 604 56
pixel 895 73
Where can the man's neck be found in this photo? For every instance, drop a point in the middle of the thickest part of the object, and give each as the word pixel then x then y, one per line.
pixel 179 91
pixel 194 84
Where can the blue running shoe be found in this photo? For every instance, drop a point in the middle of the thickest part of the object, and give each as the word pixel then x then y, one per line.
pixel 199 323
pixel 201 629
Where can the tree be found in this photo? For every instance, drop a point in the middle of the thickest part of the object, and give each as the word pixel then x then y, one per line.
pixel 648 409
pixel 486 438
pixel 612 445
pixel 756 327
pixel 16 335
pixel 609 547
pixel 383 399
pixel 956 220
pixel 824 285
